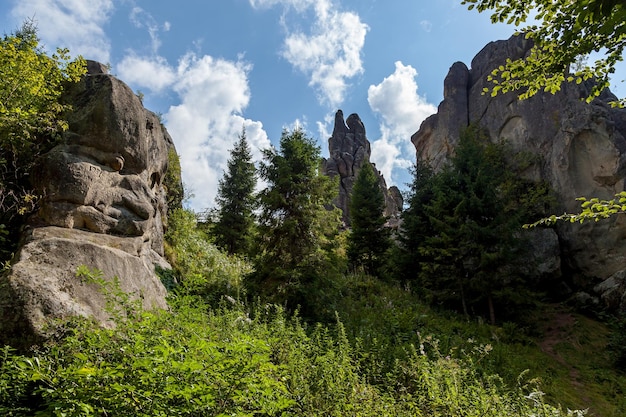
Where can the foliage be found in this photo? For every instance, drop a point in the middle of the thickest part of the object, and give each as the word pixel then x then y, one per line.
pixel 368 241
pixel 173 181
pixel 203 269
pixel 31 84
pixel 236 201
pixel 463 227
pixel 617 343
pixel 592 209
pixel 191 361
pixel 415 223
pixel 295 247
pixel 566 31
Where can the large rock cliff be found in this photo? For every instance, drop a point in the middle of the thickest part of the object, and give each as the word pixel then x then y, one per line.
pixel 580 149
pixel 349 149
pixel 103 207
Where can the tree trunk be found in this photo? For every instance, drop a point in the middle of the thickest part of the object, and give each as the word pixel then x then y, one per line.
pixel 492 311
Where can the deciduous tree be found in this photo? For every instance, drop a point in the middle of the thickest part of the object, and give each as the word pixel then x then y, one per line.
pixel 565 31
pixel 31 84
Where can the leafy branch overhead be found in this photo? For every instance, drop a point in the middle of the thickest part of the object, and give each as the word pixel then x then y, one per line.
pixel 565 31
pixel 592 209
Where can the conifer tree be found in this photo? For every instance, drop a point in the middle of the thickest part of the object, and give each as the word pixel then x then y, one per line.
pixel 473 226
pixel 295 226
pixel 236 201
pixel 368 241
pixel 415 223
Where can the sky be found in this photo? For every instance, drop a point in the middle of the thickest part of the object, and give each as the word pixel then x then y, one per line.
pixel 211 68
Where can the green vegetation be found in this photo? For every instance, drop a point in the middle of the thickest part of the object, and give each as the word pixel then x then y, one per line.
pixel 594 209
pixel 31 84
pixel 463 226
pixel 173 182
pixel 291 330
pixel 368 241
pixel 236 202
pixel 566 31
pixel 296 230
pixel 235 360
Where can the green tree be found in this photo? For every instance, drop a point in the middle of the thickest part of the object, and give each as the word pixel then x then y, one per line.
pixel 31 85
pixel 236 201
pixel 296 226
pixel 415 223
pixel 474 218
pixel 368 241
pixel 566 30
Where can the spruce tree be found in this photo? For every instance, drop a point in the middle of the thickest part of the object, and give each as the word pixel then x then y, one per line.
pixel 415 223
pixel 236 201
pixel 295 226
pixel 368 241
pixel 474 220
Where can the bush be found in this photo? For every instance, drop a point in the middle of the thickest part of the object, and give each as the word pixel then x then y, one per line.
pixel 203 269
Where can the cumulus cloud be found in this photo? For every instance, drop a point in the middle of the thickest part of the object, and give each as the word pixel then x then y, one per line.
pixel 327 55
pixel 154 73
pixel 73 24
pixel 402 110
pixel 213 93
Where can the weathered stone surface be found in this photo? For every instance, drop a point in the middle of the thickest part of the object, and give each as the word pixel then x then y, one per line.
pixel 349 149
pixel 104 206
pixel 580 150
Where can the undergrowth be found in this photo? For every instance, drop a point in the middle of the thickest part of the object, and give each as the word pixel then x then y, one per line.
pixel 230 359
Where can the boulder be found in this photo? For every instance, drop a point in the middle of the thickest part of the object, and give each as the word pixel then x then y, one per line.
pixel 349 149
pixel 103 206
pixel 578 148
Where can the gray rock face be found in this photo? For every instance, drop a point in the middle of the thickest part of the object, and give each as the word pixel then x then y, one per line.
pixel 580 149
pixel 103 207
pixel 349 149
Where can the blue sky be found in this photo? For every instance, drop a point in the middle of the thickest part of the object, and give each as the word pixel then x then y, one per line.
pixel 211 67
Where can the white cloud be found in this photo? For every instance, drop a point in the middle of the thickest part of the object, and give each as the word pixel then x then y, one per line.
pixel 426 25
pixel 331 53
pixel 153 73
pixel 207 122
pixel 73 24
pixel 402 111
pixel 142 19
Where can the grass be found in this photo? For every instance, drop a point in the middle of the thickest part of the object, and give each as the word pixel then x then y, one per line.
pixel 564 350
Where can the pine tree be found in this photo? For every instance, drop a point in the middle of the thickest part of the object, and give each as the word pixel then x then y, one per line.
pixel 236 201
pixel 295 226
pixel 368 241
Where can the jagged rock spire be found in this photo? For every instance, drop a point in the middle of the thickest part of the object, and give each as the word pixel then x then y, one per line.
pixel 349 149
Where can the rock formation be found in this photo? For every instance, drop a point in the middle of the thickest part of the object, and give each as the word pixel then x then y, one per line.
pixel 349 149
pixel 580 149
pixel 103 207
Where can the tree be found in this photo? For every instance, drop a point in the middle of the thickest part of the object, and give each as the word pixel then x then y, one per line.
pixel 473 218
pixel 31 85
pixel 236 201
pixel 296 226
pixel 368 241
pixel 566 31
pixel 415 223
